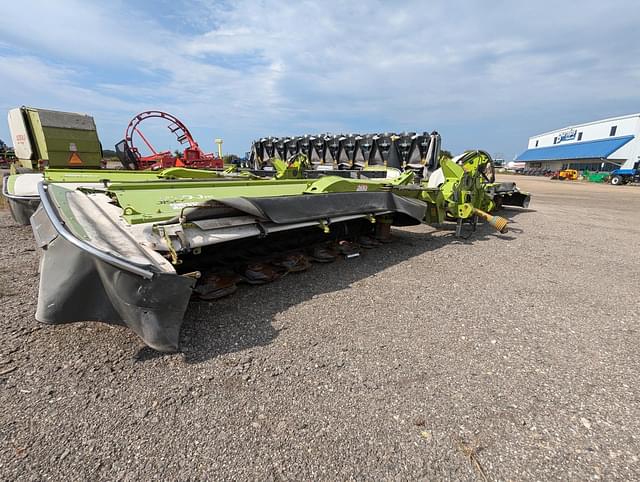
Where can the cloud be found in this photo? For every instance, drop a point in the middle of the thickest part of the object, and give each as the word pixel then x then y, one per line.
pixel 485 75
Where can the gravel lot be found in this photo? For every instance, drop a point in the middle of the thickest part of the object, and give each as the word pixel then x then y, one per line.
pixel 500 357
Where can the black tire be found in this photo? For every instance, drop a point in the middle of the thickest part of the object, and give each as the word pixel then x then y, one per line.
pixel 617 180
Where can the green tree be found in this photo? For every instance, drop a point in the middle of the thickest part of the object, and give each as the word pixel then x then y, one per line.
pixel 444 154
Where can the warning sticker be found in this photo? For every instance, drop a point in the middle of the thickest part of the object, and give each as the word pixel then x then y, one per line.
pixel 74 159
pixel 73 147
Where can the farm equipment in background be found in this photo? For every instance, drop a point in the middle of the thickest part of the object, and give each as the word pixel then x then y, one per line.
pixel 566 175
pixel 406 151
pixel 134 253
pixel 597 177
pixel 628 172
pixel 193 156
pixel 47 138
pixel 7 155
pixel 42 139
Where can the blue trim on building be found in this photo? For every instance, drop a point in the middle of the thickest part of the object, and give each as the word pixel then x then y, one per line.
pixel 598 149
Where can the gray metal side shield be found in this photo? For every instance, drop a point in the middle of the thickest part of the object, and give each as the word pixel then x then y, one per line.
pixel 76 285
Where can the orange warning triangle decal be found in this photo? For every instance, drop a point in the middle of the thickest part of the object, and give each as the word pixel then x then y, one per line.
pixel 74 159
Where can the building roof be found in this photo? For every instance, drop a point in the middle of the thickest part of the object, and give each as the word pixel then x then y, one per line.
pixel 598 149
pixel 585 124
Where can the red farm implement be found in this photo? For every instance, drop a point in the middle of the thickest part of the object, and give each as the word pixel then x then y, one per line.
pixel 192 156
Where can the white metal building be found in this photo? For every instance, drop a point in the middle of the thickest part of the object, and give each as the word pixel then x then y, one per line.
pixel 601 145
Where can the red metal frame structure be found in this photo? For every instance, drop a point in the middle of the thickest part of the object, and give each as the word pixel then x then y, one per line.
pixel 192 156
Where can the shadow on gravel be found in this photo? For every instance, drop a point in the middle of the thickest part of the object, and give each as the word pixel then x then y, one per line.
pixel 244 319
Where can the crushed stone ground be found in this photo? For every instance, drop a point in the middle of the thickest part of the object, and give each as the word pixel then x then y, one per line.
pixel 500 357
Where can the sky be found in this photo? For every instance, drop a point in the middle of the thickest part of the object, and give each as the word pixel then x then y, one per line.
pixel 485 74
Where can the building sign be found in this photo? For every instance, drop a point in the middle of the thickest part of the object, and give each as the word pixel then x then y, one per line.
pixel 568 135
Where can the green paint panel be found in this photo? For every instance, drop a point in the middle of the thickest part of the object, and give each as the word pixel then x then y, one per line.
pixel 161 200
pixel 56 141
pixel 59 198
pixel 11 183
pixel 98 175
pixel 121 175
pixel 40 145
pixel 147 197
pixel 61 143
